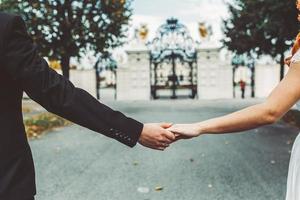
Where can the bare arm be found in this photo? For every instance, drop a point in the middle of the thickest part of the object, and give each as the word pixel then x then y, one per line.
pixel 282 98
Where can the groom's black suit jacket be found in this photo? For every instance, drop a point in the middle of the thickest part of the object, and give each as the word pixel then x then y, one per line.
pixel 22 69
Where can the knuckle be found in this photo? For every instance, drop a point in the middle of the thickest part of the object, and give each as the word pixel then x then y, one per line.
pixel 172 136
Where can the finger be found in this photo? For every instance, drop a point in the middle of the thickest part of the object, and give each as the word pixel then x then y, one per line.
pixel 149 146
pixel 169 135
pixel 165 145
pixel 175 131
pixel 160 148
pixel 157 147
pixel 178 138
pixel 165 125
pixel 173 128
pixel 183 137
pixel 177 135
pixel 178 132
pixel 166 140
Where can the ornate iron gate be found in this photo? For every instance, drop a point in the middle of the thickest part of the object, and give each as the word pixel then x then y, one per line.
pixel 173 46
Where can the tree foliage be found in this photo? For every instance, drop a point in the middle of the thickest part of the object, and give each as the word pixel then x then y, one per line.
pixel 263 27
pixel 69 28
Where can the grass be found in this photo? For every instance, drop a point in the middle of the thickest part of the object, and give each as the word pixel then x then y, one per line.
pixel 26 110
pixel 39 124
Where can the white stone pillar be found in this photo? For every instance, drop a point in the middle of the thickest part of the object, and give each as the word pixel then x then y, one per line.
pixel 214 76
pixel 133 78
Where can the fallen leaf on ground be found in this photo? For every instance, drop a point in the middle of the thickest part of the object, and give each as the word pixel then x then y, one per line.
pixel 135 163
pixel 159 188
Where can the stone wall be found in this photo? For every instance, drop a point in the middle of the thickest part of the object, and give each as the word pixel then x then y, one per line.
pixel 85 79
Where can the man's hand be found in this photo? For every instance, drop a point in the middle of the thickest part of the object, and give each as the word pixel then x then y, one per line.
pixel 185 131
pixel 155 136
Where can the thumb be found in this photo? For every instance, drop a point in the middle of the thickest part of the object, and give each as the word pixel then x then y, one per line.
pixel 174 129
pixel 165 125
pixel 177 135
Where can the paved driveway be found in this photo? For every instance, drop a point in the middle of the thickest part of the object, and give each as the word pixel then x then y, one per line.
pixel 77 164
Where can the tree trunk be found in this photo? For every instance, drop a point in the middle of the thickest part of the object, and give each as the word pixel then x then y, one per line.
pixel 253 81
pixel 65 66
pixel 97 71
pixel 233 79
pixel 282 66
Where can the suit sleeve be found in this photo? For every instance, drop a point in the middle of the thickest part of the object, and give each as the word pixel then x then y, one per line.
pixel 57 94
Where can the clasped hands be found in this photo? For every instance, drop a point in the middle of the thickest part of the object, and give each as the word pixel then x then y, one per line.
pixel 159 136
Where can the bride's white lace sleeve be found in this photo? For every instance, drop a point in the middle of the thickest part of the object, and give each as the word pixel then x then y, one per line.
pixel 296 57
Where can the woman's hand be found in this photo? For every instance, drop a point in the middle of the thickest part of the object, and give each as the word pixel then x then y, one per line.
pixel 185 131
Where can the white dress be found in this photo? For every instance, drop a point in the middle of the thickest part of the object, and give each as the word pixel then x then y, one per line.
pixel 293 182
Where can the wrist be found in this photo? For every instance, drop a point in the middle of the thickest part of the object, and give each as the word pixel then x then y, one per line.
pixel 200 128
pixel 142 132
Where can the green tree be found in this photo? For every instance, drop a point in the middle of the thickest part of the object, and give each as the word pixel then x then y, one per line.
pixel 8 6
pixel 69 28
pixel 262 27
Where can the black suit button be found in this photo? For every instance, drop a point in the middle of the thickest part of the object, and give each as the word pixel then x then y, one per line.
pixel 113 131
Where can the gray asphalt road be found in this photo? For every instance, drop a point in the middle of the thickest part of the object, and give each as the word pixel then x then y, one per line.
pixel 77 164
